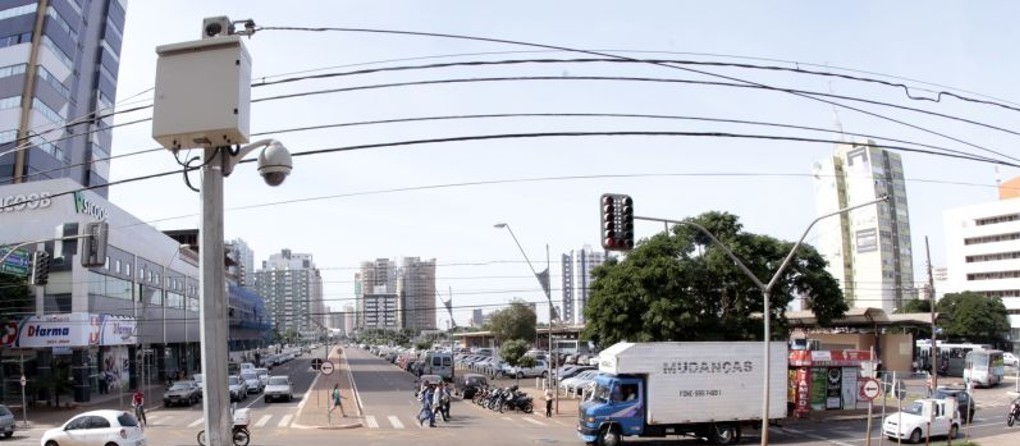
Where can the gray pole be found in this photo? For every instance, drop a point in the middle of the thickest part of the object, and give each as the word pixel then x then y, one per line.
pixel 213 320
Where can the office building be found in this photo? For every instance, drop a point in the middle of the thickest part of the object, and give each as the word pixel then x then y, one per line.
pixel 59 61
pixel 243 266
pixel 292 288
pixel 577 267
pixel 983 253
pixel 417 289
pixel 868 249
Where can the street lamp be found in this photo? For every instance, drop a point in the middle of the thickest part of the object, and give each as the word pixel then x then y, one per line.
pixel 766 290
pixel 552 310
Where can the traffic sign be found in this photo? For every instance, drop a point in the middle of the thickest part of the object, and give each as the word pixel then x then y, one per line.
pixel 870 389
pixel 24 381
pixel 327 367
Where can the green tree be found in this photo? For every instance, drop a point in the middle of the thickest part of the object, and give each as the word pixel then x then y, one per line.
pixel 513 350
pixel 973 317
pixel 916 306
pixel 682 287
pixel 514 322
pixel 16 300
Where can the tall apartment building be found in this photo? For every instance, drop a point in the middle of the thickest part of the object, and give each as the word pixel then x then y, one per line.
pixel 382 311
pixel 416 287
pixel 376 277
pixel 983 252
pixel 59 61
pixel 348 319
pixel 292 288
pixel 244 262
pixel 868 249
pixel 476 317
pixel 576 267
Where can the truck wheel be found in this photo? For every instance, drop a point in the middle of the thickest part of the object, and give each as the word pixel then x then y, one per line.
pixel 915 436
pixel 723 434
pixel 610 436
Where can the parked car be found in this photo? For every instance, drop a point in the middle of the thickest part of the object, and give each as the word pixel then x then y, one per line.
pixel 6 421
pixel 252 381
pixel 1010 359
pixel 540 369
pixel 199 381
pixel 910 424
pixel 238 389
pixel 571 371
pixel 97 427
pixel 964 401
pixel 469 384
pixel 182 392
pixel 278 387
pixel 263 375
pixel 576 384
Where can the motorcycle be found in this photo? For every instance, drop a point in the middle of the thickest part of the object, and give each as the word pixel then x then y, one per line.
pixel 516 401
pixel 1014 412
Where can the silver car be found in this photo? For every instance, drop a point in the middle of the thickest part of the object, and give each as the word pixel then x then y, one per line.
pixel 6 421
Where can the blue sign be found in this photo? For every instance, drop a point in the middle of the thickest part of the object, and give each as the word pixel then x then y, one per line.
pixel 17 264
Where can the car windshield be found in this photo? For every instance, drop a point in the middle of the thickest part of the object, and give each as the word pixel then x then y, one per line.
pixel 235 381
pixel 4 411
pixel 249 376
pixel 180 386
pixel 278 381
pixel 476 381
pixel 127 420
pixel 601 393
pixel 914 409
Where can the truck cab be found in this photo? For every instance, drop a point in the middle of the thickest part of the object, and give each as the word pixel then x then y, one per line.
pixel 615 409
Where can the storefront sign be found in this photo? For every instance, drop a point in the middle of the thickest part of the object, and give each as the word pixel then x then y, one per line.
pixel 828 358
pixel 72 330
pixel 83 205
pixel 25 202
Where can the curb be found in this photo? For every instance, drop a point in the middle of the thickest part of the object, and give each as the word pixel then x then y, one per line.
pixel 337 427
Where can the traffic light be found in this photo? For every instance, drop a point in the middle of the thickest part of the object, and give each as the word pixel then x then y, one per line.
pixel 94 252
pixel 40 268
pixel 617 222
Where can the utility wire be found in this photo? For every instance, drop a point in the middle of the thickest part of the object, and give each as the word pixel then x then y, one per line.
pixel 602 54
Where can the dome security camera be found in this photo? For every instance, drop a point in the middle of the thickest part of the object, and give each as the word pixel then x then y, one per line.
pixel 275 164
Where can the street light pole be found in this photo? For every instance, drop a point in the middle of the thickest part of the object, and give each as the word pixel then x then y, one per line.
pixel 552 311
pixel 766 290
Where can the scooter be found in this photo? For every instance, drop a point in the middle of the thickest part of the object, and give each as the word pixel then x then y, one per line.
pixel 1014 412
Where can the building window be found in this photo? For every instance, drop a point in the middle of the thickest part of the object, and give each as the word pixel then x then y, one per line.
pixel 994 275
pixel 64 58
pixel 994 257
pixel 10 102
pixel 17 11
pixel 117 269
pixel 46 111
pixel 997 219
pixel 53 81
pixel 56 18
pixel 991 238
pixel 12 70
pixel 15 39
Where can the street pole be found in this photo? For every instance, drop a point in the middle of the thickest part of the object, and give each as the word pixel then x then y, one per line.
pixel 213 323
pixel 766 290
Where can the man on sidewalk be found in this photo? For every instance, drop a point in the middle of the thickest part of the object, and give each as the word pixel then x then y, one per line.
pixel 337 400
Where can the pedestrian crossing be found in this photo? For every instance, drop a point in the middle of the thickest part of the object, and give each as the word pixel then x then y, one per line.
pixel 411 421
pixel 192 420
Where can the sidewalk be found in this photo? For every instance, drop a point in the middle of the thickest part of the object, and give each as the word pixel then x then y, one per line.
pixel 47 416
pixel 314 411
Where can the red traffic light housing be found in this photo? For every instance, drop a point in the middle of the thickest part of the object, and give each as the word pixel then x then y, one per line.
pixel 617 222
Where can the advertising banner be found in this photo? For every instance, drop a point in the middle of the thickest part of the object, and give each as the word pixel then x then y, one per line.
pixel 119 330
pixel 850 387
pixel 819 388
pixel 834 388
pixel 803 398
pixel 70 330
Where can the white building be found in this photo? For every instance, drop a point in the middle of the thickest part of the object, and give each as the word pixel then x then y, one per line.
pixel 292 288
pixel 382 310
pixel 577 266
pixel 983 254
pixel 868 249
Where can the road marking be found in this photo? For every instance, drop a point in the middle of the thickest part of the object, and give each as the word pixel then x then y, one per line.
pixel 262 421
pixel 196 422
pixel 370 422
pixel 285 421
pixel 533 421
pixel 815 436
pixel 396 422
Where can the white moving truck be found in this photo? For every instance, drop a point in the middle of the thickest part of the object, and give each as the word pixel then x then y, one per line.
pixel 702 389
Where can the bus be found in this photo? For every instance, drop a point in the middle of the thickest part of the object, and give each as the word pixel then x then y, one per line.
pixel 984 368
pixel 952 356
pixel 571 347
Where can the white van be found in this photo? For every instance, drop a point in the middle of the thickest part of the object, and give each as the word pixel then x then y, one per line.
pixel 438 363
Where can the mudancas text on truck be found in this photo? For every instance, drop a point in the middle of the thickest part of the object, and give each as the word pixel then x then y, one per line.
pixel 710 390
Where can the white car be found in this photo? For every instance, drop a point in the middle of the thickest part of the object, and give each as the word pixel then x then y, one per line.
pixel 252 381
pixel 98 427
pixel 278 388
pixel 575 384
pixel 199 380
pixel 911 425
pixel 238 388
pixel 263 375
pixel 540 369
pixel 1010 359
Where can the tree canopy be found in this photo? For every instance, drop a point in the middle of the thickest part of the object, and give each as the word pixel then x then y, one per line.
pixel 16 300
pixel 682 287
pixel 514 322
pixel 972 317
pixel 513 350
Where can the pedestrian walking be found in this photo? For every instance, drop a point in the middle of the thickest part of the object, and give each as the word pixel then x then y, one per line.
pixel 427 397
pixel 443 399
pixel 138 402
pixel 548 402
pixel 337 400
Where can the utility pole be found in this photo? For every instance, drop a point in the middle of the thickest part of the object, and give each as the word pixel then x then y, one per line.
pixel 931 305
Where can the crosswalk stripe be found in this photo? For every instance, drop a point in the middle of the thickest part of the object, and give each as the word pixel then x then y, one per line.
pixel 262 421
pixel 370 422
pixel 396 422
pixel 532 421
pixel 285 421
pixel 196 422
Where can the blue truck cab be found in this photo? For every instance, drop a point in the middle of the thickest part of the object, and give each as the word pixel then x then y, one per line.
pixel 615 409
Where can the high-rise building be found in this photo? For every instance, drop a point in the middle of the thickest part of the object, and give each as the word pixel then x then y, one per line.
pixel 868 249
pixel 476 317
pixel 244 262
pixel 292 288
pixel 58 83
pixel 417 289
pixel 382 311
pixel 378 277
pixel 348 319
pixel 982 252
pixel 577 267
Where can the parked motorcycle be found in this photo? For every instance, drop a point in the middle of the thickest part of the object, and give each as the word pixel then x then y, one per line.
pixel 1014 412
pixel 516 401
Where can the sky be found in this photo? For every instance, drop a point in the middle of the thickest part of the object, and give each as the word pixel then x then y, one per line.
pixel 441 200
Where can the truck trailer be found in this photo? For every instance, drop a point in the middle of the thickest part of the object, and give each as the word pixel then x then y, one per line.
pixel 707 390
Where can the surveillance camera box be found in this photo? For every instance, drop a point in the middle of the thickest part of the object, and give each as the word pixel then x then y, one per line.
pixel 203 93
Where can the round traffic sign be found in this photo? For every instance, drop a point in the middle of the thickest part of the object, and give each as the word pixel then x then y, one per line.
pixel 23 381
pixel 327 367
pixel 870 389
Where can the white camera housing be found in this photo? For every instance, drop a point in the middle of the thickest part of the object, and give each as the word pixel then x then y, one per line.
pixel 275 164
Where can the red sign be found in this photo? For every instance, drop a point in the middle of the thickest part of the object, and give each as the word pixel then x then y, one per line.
pixel 828 358
pixel 803 392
